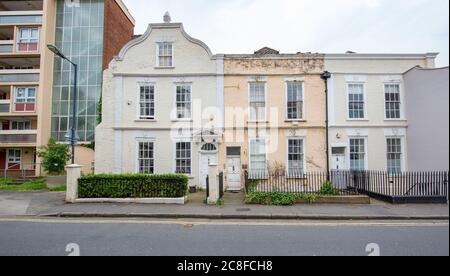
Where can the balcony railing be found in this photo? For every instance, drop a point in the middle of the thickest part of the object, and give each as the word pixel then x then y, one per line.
pixel 20 17
pixel 5 106
pixel 18 136
pixel 19 76
pixel 6 46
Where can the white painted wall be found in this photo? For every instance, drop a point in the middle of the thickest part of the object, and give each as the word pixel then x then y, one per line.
pixel 374 71
pixel 118 135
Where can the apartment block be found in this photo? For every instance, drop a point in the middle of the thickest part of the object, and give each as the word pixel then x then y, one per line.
pixel 36 87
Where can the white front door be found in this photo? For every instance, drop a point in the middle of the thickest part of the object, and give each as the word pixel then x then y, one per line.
pixel 339 162
pixel 205 160
pixel 234 173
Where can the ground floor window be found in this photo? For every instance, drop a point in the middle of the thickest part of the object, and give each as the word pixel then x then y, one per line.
pixel 146 157
pixel 14 158
pixel 183 162
pixel 394 155
pixel 295 157
pixel 358 154
pixel 258 162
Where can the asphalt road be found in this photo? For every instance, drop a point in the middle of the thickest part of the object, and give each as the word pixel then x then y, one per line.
pixel 180 238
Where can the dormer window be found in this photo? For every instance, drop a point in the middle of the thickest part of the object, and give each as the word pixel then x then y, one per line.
pixel 165 54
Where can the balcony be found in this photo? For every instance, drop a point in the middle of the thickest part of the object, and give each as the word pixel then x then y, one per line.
pixel 19 76
pixel 18 137
pixel 20 17
pixel 5 106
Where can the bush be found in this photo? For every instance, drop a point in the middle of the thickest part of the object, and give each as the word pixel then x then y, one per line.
pixel 54 157
pixel 133 186
pixel 278 198
pixel 327 189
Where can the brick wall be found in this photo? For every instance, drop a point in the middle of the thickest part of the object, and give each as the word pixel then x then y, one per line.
pixel 118 31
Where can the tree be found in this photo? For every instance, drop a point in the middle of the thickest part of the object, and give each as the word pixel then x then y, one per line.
pixel 54 157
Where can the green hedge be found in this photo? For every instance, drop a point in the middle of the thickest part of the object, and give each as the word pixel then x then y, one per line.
pixel 133 186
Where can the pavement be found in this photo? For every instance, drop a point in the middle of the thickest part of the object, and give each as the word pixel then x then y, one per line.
pixel 48 204
pixel 113 237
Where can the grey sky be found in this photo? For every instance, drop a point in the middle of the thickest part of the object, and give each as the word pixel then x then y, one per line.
pixel 329 26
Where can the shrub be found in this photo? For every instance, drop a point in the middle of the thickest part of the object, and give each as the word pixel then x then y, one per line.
pixel 327 189
pixel 278 198
pixel 133 186
pixel 54 157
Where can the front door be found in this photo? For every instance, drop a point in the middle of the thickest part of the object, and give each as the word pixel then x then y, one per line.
pixel 339 161
pixel 205 160
pixel 234 173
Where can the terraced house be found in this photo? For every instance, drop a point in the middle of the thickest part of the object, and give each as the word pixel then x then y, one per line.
pixel 162 106
pixel 274 115
pixel 36 88
pixel 368 110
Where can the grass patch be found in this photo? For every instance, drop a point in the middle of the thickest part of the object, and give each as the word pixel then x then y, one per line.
pixel 57 189
pixel 30 186
pixel 278 198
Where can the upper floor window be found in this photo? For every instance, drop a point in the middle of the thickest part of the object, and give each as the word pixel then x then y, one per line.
pixel 183 101
pixel 25 99
pixel 21 125
pixel 392 101
pixel 165 54
pixel 257 101
pixel 356 101
pixel 147 102
pixel 28 40
pixel 294 100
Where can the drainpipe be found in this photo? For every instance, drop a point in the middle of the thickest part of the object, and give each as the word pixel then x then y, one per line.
pixel 326 76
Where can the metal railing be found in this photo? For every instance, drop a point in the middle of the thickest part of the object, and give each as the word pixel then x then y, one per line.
pixel 405 187
pixel 21 171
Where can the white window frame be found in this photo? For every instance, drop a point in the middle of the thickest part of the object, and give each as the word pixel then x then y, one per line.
pixel 16 160
pixel 26 99
pixel 250 153
pixel 18 122
pixel 302 117
pixel 250 119
pixel 190 102
pixel 366 152
pixel 158 56
pixel 348 101
pixel 400 94
pixel 139 158
pixel 190 159
pixel 140 102
pixel 29 39
pixel 403 152
pixel 304 171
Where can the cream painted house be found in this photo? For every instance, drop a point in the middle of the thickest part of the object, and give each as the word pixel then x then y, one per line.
pixel 368 120
pixel 162 106
pixel 274 115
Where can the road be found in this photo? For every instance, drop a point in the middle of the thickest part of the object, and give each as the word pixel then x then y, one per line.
pixel 203 238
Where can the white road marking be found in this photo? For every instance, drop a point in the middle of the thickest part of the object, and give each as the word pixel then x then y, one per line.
pixel 184 222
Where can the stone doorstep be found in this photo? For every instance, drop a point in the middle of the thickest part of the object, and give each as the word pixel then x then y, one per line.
pixel 178 201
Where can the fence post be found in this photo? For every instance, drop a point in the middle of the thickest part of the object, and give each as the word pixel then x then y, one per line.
pixel 214 193
pixel 73 174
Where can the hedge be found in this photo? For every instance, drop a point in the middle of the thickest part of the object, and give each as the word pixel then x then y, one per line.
pixel 133 186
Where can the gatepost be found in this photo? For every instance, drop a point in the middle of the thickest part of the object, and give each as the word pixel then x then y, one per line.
pixel 73 174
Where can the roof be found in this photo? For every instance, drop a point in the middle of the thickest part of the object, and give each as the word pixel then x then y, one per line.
pixel 267 51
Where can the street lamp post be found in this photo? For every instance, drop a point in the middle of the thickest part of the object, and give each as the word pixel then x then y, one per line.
pixel 73 141
pixel 326 76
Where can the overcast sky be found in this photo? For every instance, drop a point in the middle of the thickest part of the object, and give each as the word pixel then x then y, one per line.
pixel 327 26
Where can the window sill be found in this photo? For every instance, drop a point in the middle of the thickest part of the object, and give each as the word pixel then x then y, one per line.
pixel 183 120
pixel 145 121
pixel 163 67
pixel 395 120
pixel 358 120
pixel 295 121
